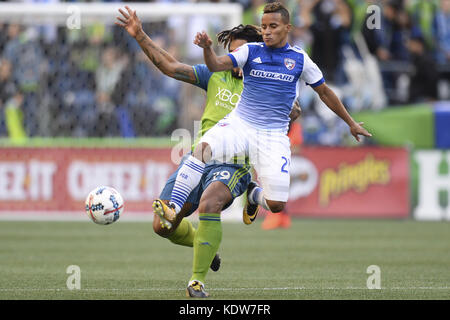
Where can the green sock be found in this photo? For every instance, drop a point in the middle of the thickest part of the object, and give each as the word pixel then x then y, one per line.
pixel 206 243
pixel 183 234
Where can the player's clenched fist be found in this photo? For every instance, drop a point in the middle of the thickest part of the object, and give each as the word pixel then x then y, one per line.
pixel 202 40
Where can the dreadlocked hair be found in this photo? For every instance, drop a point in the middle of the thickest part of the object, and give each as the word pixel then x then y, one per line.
pixel 249 32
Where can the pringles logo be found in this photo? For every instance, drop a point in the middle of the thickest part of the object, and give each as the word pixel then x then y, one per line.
pixel 357 177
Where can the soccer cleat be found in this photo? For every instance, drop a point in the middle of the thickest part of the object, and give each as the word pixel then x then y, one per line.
pixel 165 212
pixel 250 210
pixel 164 223
pixel 215 264
pixel 196 289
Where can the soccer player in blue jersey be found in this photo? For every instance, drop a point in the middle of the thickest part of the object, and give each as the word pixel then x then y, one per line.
pixel 257 127
pixel 221 183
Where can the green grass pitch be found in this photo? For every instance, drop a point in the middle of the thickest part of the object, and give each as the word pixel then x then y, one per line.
pixel 314 259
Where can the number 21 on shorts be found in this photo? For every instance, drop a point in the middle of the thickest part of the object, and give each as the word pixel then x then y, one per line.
pixel 286 164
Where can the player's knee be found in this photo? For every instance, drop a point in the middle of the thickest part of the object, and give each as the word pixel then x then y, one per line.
pixel 203 152
pixel 276 206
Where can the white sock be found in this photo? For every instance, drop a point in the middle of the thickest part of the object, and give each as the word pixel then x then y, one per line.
pixel 257 197
pixel 188 178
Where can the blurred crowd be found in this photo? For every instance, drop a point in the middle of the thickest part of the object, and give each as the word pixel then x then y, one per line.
pixel 96 82
pixel 375 54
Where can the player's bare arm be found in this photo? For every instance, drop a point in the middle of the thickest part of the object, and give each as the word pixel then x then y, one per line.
pixel 212 61
pixel 165 62
pixel 332 101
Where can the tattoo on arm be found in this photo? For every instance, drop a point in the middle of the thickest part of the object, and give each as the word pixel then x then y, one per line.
pixel 157 55
pixel 185 73
pixel 162 60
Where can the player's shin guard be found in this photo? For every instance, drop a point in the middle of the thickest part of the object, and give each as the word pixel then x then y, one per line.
pixel 206 243
pixel 188 178
pixel 183 234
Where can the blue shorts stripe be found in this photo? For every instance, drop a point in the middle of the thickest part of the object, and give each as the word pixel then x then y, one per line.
pixel 237 176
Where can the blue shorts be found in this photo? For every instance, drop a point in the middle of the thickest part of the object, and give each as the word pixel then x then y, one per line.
pixel 235 176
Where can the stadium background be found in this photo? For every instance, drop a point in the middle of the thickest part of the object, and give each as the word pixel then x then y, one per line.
pixel 92 86
pixel 83 107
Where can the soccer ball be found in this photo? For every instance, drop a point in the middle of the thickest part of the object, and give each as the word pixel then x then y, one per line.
pixel 104 205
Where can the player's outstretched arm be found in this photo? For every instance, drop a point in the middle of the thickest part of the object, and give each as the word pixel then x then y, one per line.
pixel 213 62
pixel 165 62
pixel 332 101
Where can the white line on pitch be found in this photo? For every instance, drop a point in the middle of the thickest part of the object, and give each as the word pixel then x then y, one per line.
pixel 222 289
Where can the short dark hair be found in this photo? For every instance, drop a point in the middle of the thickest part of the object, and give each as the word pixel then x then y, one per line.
pixel 278 7
pixel 249 33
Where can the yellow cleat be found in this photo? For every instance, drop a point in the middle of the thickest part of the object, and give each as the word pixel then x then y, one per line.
pixel 165 212
pixel 196 289
pixel 250 210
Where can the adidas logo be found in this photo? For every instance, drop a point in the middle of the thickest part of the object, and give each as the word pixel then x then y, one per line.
pixel 257 60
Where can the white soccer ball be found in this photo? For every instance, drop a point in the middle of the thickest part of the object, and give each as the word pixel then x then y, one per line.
pixel 104 205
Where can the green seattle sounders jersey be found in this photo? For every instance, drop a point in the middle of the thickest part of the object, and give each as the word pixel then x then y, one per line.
pixel 222 94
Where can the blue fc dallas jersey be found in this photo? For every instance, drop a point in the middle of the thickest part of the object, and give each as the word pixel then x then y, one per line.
pixel 272 78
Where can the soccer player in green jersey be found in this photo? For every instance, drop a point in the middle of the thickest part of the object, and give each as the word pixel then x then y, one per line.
pixel 220 183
